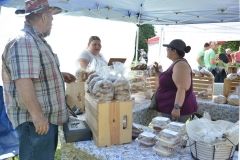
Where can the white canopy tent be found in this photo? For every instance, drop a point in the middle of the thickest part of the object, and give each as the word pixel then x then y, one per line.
pixel 175 15
pixel 161 12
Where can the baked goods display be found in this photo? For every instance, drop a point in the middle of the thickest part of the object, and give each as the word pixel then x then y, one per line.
pixel 139 66
pixel 108 88
pixel 121 89
pixel 233 76
pixel 137 84
pixel 162 150
pixel 177 127
pixel 103 90
pixel 146 138
pixel 169 141
pixel 203 72
pixel 220 99
pixel 159 123
pixel 169 136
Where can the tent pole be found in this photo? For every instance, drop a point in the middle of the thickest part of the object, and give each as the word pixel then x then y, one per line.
pixel 162 37
pixel 137 42
pixel 138 26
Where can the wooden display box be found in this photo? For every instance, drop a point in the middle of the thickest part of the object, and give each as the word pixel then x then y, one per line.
pixel 229 86
pixel 203 84
pixel 110 122
pixel 75 94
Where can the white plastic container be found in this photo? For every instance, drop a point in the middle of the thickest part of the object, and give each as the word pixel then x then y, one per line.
pixel 147 138
pixel 160 123
pixel 169 138
pixel 177 127
pixel 162 150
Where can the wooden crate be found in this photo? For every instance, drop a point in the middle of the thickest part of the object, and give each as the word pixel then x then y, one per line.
pixel 75 94
pixel 203 84
pixel 229 86
pixel 232 69
pixel 110 122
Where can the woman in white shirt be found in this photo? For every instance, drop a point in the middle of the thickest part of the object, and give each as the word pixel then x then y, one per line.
pixel 91 58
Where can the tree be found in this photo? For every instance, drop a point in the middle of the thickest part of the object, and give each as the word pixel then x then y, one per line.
pixel 146 31
pixel 233 45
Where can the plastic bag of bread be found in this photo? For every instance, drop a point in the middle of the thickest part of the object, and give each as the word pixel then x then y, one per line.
pixel 121 85
pixel 91 76
pixel 203 94
pixel 205 72
pixel 220 99
pixel 92 83
pixel 137 84
pixel 122 89
pixel 197 72
pixel 103 90
pixel 234 98
pixel 232 76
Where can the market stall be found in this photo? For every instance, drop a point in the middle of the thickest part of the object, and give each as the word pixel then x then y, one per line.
pixel 142 115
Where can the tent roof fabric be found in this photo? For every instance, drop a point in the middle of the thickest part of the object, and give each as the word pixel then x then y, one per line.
pixel 158 12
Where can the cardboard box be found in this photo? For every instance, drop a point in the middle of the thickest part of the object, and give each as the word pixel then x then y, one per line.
pixel 110 122
pixel 75 95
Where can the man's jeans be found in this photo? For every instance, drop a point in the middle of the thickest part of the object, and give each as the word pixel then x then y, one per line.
pixel 34 146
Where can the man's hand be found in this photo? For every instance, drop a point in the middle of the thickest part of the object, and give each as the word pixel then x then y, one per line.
pixel 40 123
pixel 68 78
pixel 29 99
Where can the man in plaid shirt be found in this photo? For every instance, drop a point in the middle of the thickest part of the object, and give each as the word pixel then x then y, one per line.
pixel 33 84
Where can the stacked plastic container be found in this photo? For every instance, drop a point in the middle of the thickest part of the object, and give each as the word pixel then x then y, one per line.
pixel 159 123
pixel 147 138
pixel 170 139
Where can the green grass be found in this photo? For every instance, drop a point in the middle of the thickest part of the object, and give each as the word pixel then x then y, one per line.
pixel 57 155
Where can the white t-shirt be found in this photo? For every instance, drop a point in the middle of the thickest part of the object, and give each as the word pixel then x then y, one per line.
pixel 95 61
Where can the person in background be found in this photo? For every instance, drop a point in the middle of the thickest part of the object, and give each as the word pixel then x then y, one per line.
pixel 236 56
pixel 91 58
pixel 200 56
pixel 229 55
pixel 211 60
pixel 143 57
pixel 174 96
pixel 33 84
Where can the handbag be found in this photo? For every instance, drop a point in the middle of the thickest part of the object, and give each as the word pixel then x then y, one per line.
pixel 153 104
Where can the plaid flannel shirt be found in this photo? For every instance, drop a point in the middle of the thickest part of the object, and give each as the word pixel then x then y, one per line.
pixel 30 56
